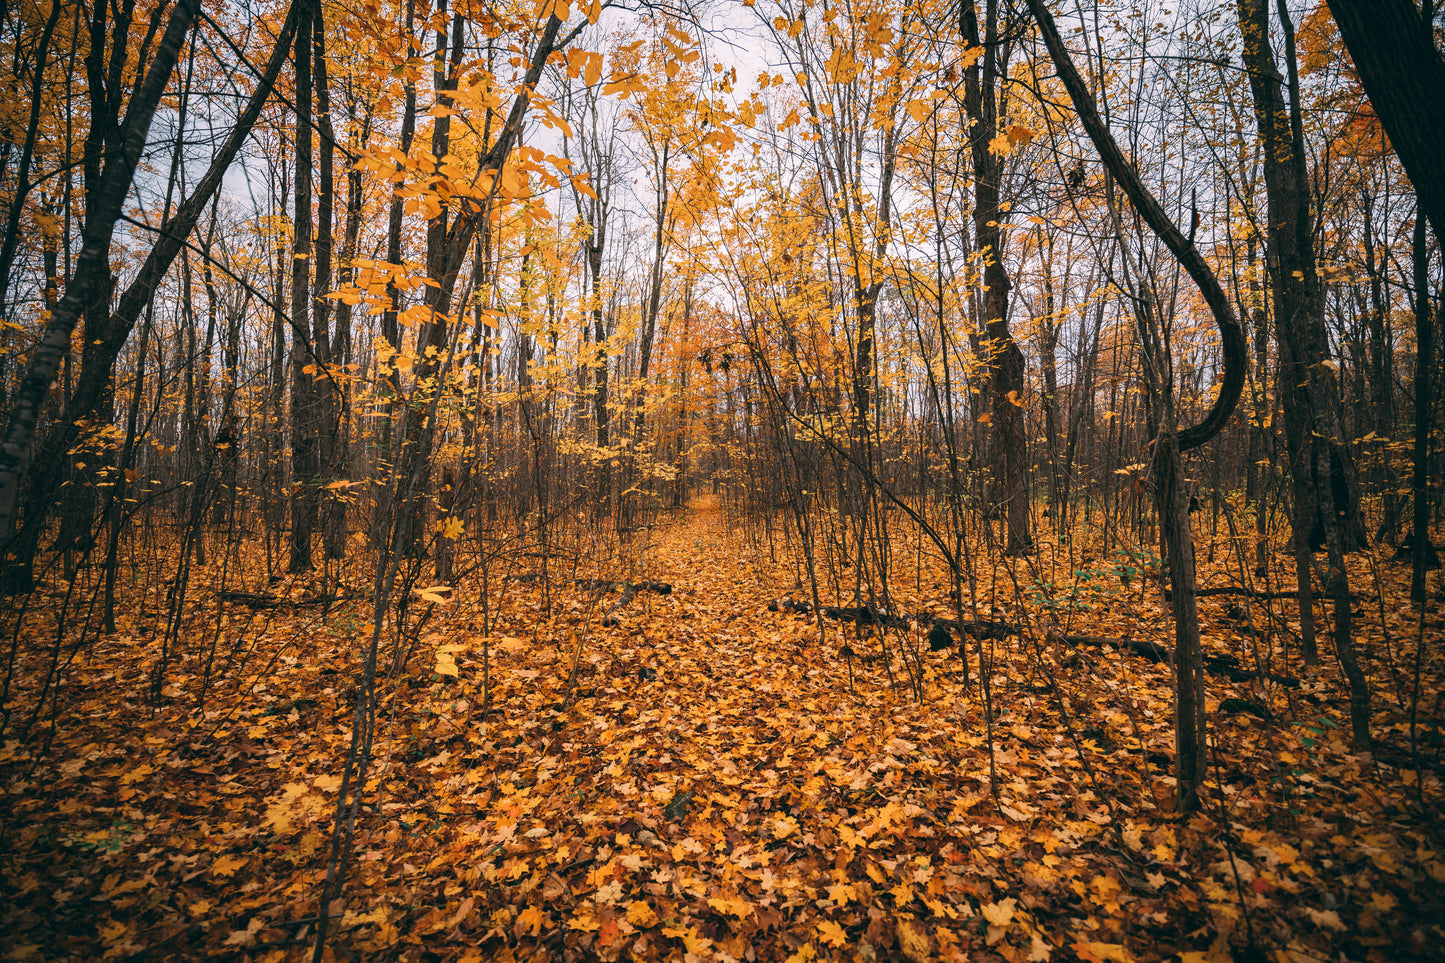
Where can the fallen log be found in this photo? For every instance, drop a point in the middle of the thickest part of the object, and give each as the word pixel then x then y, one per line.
pixel 269 600
pixel 629 591
pixel 871 615
pixel 1223 665
pixel 608 585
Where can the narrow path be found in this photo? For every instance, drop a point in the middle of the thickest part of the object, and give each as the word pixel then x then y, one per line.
pixel 716 789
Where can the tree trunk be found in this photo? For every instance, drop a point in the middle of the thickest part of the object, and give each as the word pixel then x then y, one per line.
pixel 1404 76
pixel 1425 343
pixel 1188 682
pixel 91 279
pixel 305 460
pixel 1326 492
pixel 982 81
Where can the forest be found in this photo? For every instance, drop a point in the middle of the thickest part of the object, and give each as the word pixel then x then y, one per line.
pixel 734 480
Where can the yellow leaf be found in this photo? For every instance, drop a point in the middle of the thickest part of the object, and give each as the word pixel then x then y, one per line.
pixel 999 913
pixel 227 865
pixel 832 934
pixel 803 954
pixel 913 940
pixel 731 907
pixel 622 88
pixel 919 109
pixel 640 913
pixel 530 921
pixel 1103 952
pixel 583 922
pixel 436 594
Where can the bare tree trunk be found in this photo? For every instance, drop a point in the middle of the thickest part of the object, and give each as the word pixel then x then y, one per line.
pixel 390 327
pixel 982 81
pixel 1326 491
pixel 1393 48
pixel 1425 343
pixel 305 461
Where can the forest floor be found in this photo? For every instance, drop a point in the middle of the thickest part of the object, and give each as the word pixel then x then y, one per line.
pixel 720 783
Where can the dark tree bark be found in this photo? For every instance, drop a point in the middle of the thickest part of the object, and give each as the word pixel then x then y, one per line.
pixel 90 389
pixel 331 346
pixel 1325 489
pixel 91 279
pixel 1404 76
pixel 27 154
pixel 982 81
pixel 305 462
pixel 596 148
pixel 390 325
pixel 334 509
pixel 1425 344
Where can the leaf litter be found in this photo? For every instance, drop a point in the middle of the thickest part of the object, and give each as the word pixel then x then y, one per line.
pixel 718 782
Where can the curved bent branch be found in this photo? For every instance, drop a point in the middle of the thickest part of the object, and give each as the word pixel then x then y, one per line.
pixel 1183 249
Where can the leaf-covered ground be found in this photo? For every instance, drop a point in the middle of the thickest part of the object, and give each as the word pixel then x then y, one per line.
pixel 724 784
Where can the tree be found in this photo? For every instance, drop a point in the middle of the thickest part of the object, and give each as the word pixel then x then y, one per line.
pixel 90 283
pixel 1393 47
pixel 984 80
pixel 1172 498
pixel 1325 489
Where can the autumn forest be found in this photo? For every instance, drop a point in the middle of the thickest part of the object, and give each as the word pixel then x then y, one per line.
pixel 744 480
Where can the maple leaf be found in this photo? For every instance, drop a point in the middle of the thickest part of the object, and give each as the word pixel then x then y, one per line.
pixel 584 921
pixel 832 934
pixel 247 936
pixel 1103 952
pixel 279 814
pixel 731 907
pixel 1325 919
pixel 530 921
pixel 227 865
pixel 640 913
pixel 1000 913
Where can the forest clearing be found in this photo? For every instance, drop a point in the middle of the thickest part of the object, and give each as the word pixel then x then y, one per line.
pixel 699 775
pixel 745 480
